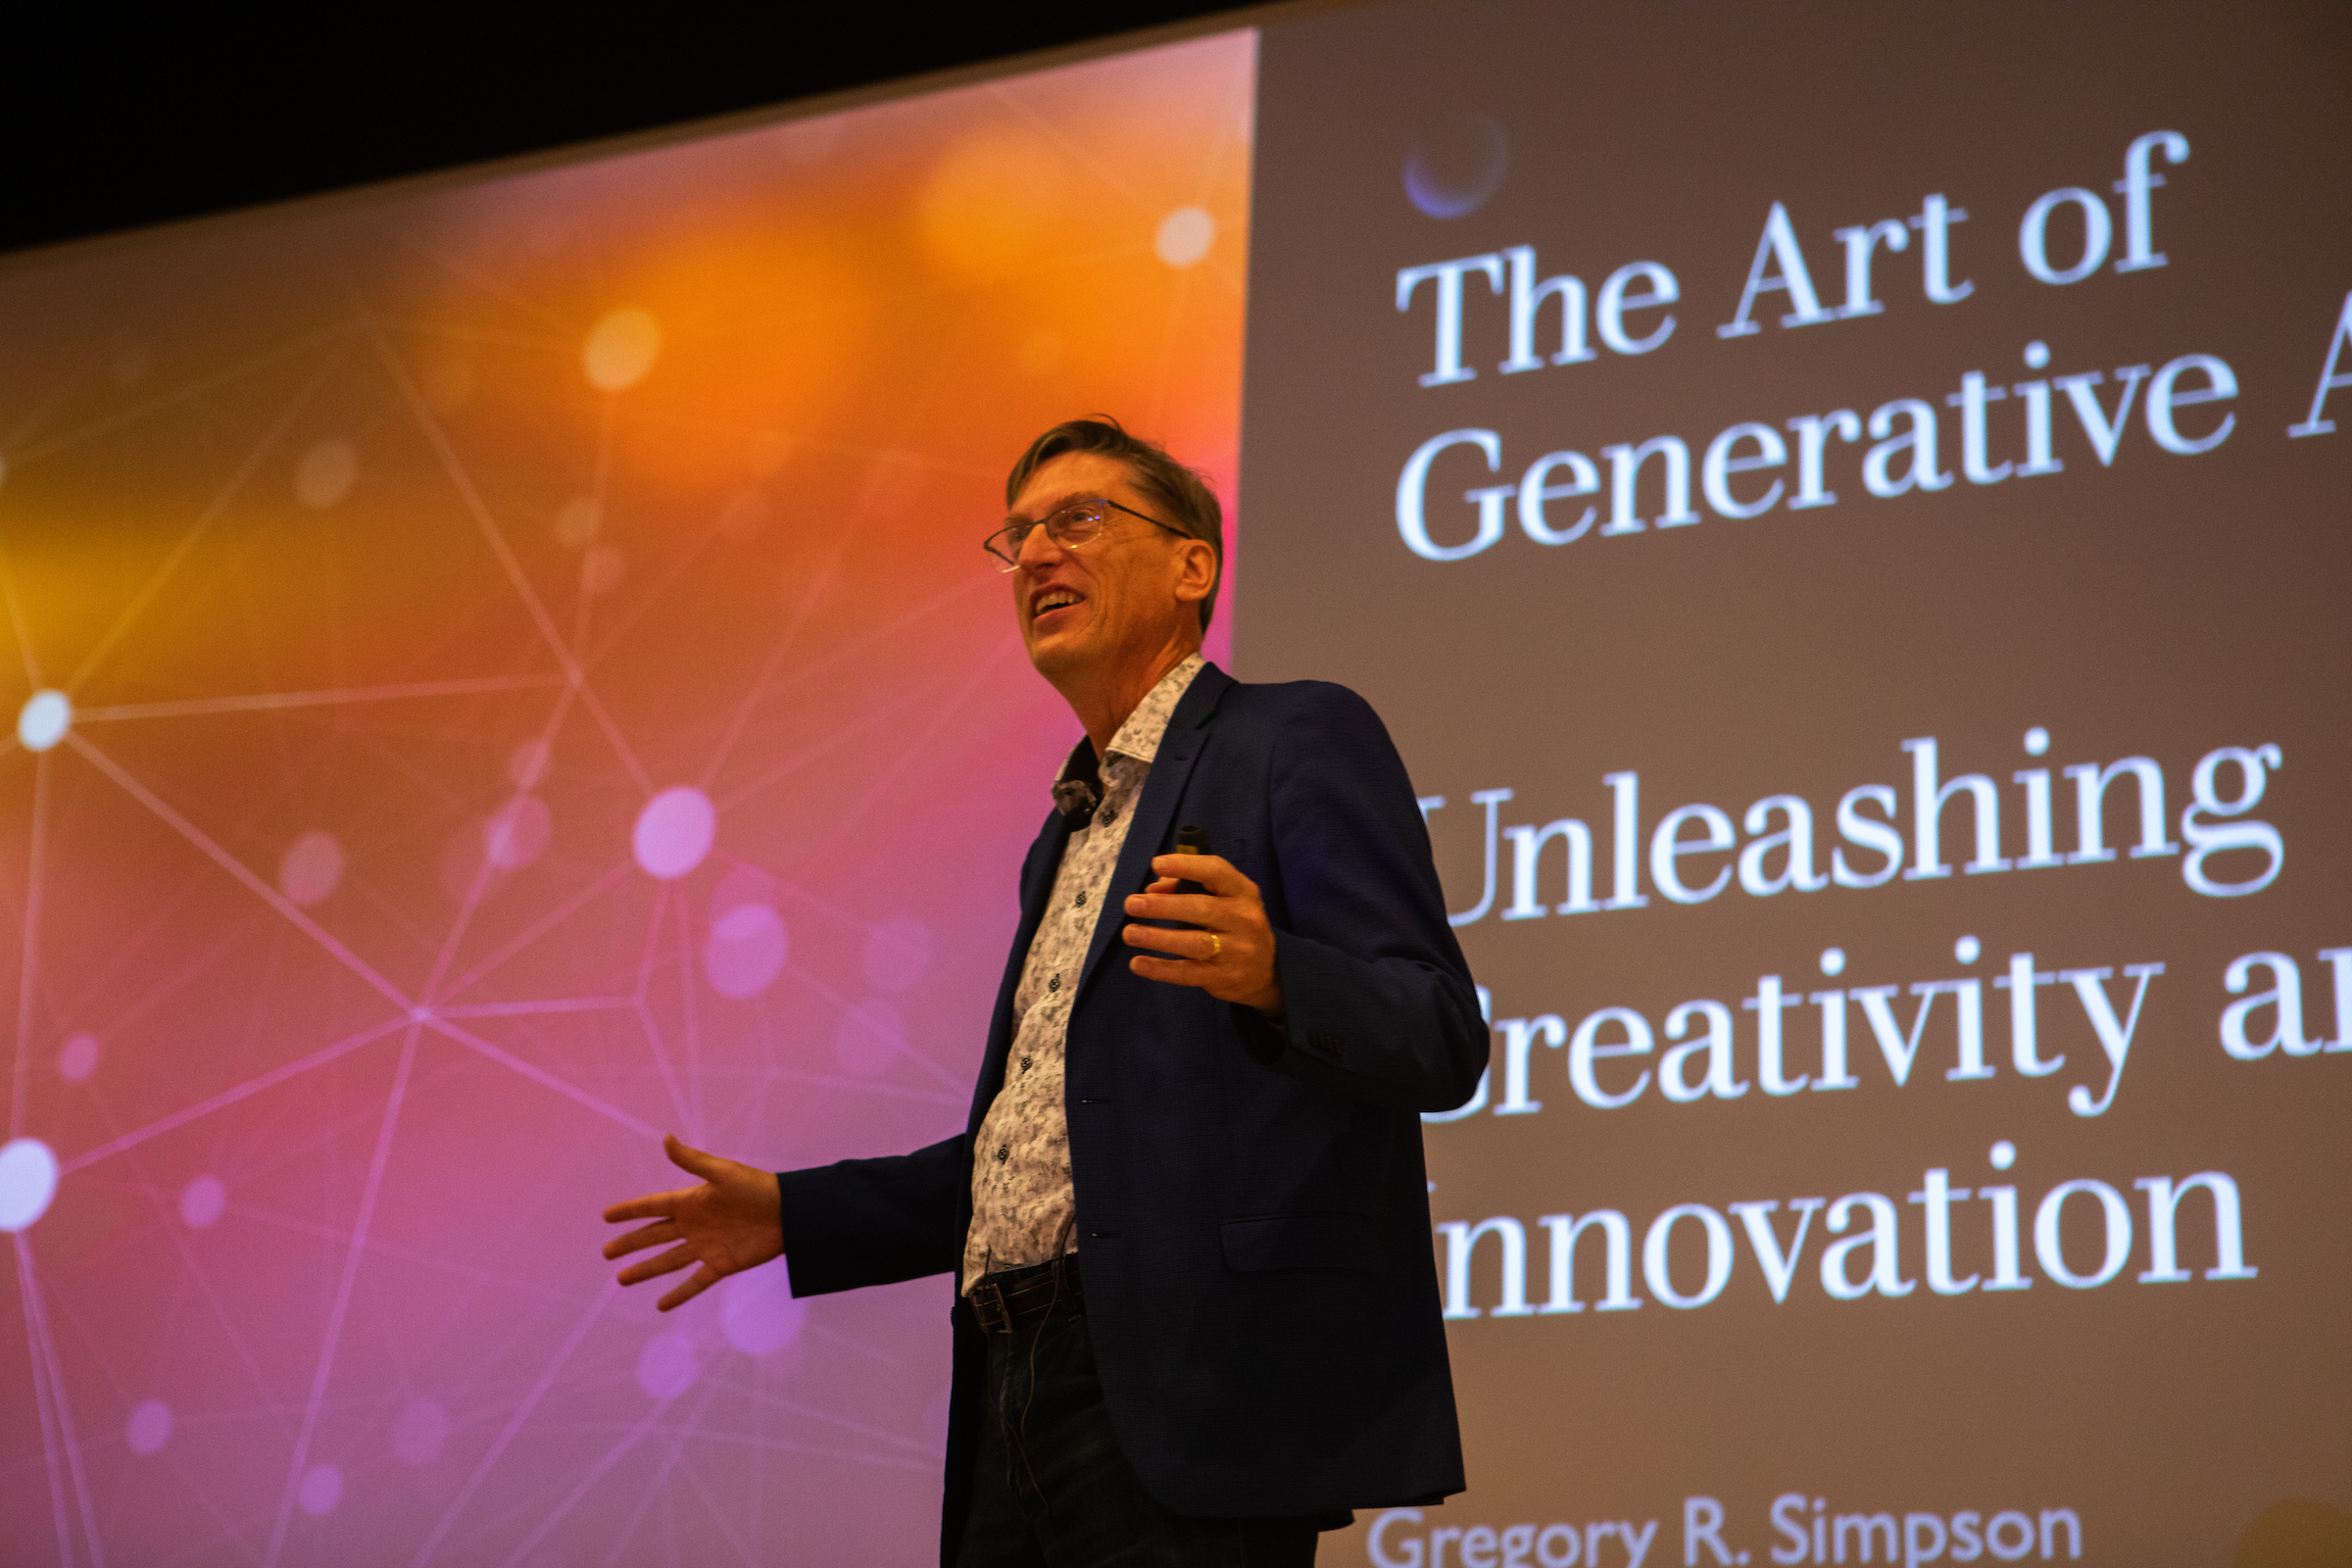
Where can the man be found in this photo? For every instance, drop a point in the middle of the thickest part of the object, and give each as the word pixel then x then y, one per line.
pixel 1188 1217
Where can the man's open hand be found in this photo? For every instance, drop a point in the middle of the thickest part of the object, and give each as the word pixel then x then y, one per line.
pixel 1231 956
pixel 733 1221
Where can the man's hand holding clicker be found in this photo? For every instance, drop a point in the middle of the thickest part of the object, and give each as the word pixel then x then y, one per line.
pixel 1230 952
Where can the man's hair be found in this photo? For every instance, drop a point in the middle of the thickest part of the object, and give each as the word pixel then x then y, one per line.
pixel 1179 494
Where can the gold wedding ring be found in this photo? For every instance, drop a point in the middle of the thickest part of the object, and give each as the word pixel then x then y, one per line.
pixel 1216 945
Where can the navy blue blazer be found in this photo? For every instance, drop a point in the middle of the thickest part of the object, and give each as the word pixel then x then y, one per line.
pixel 1253 1217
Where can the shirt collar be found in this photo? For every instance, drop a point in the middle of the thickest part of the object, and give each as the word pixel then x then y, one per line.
pixel 1138 737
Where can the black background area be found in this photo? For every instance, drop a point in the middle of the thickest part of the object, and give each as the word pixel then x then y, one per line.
pixel 120 119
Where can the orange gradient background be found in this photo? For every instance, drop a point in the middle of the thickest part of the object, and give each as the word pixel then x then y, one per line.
pixel 394 554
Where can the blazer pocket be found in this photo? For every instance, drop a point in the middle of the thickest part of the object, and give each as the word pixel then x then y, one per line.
pixel 1301 1241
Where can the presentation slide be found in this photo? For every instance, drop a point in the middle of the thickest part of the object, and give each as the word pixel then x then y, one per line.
pixel 1844 513
pixel 1843 510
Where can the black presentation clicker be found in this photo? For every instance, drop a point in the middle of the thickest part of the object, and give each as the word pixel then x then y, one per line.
pixel 1191 839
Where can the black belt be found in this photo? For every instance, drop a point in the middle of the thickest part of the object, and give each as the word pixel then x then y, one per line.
pixel 1013 1295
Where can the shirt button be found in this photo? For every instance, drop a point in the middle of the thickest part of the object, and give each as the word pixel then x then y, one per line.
pixel 1003 1152
pixel 1082 900
pixel 1024 1064
pixel 1053 984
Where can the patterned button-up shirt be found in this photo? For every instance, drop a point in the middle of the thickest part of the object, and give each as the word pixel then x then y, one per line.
pixel 1023 1209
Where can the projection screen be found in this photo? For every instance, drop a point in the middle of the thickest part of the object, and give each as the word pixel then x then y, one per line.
pixel 1843 509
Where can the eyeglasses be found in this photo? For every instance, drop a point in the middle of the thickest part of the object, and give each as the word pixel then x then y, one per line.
pixel 1076 525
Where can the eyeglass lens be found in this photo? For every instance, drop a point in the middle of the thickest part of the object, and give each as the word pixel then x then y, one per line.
pixel 1072 525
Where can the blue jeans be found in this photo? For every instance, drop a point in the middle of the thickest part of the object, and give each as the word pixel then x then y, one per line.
pixel 1051 1488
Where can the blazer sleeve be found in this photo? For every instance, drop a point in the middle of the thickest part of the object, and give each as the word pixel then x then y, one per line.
pixel 873 1221
pixel 1377 998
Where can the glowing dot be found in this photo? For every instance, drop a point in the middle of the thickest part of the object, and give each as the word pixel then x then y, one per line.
pixel 2004 1154
pixel 578 521
pixel 1967 949
pixel 27 1181
pixel 665 1367
pixel 322 1489
pixel 675 832
pixel 867 1037
pixel 149 1427
pixel 203 1202
pixel 897 954
pixel 2038 355
pixel 527 764
pixel 517 833
pixel 990 201
pixel 2037 740
pixel 324 476
pixel 310 870
pixel 621 349
pixel 78 1060
pixel 1833 960
pixel 746 951
pixel 1185 236
pixel 760 1313
pixel 1456 162
pixel 602 570
pixel 420 1433
pixel 44 719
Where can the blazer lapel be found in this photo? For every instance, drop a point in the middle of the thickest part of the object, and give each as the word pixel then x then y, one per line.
pixel 1180 747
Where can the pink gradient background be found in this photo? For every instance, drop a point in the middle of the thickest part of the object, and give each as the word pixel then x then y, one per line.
pixel 323 523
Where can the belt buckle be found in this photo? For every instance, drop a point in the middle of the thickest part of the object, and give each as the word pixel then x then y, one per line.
pixel 988 1306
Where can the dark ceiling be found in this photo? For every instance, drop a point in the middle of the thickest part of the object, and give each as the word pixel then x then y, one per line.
pixel 138 116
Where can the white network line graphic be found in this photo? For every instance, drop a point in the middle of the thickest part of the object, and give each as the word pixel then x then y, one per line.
pixel 655 1013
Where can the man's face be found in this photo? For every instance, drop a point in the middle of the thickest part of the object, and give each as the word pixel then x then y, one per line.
pixel 1112 601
